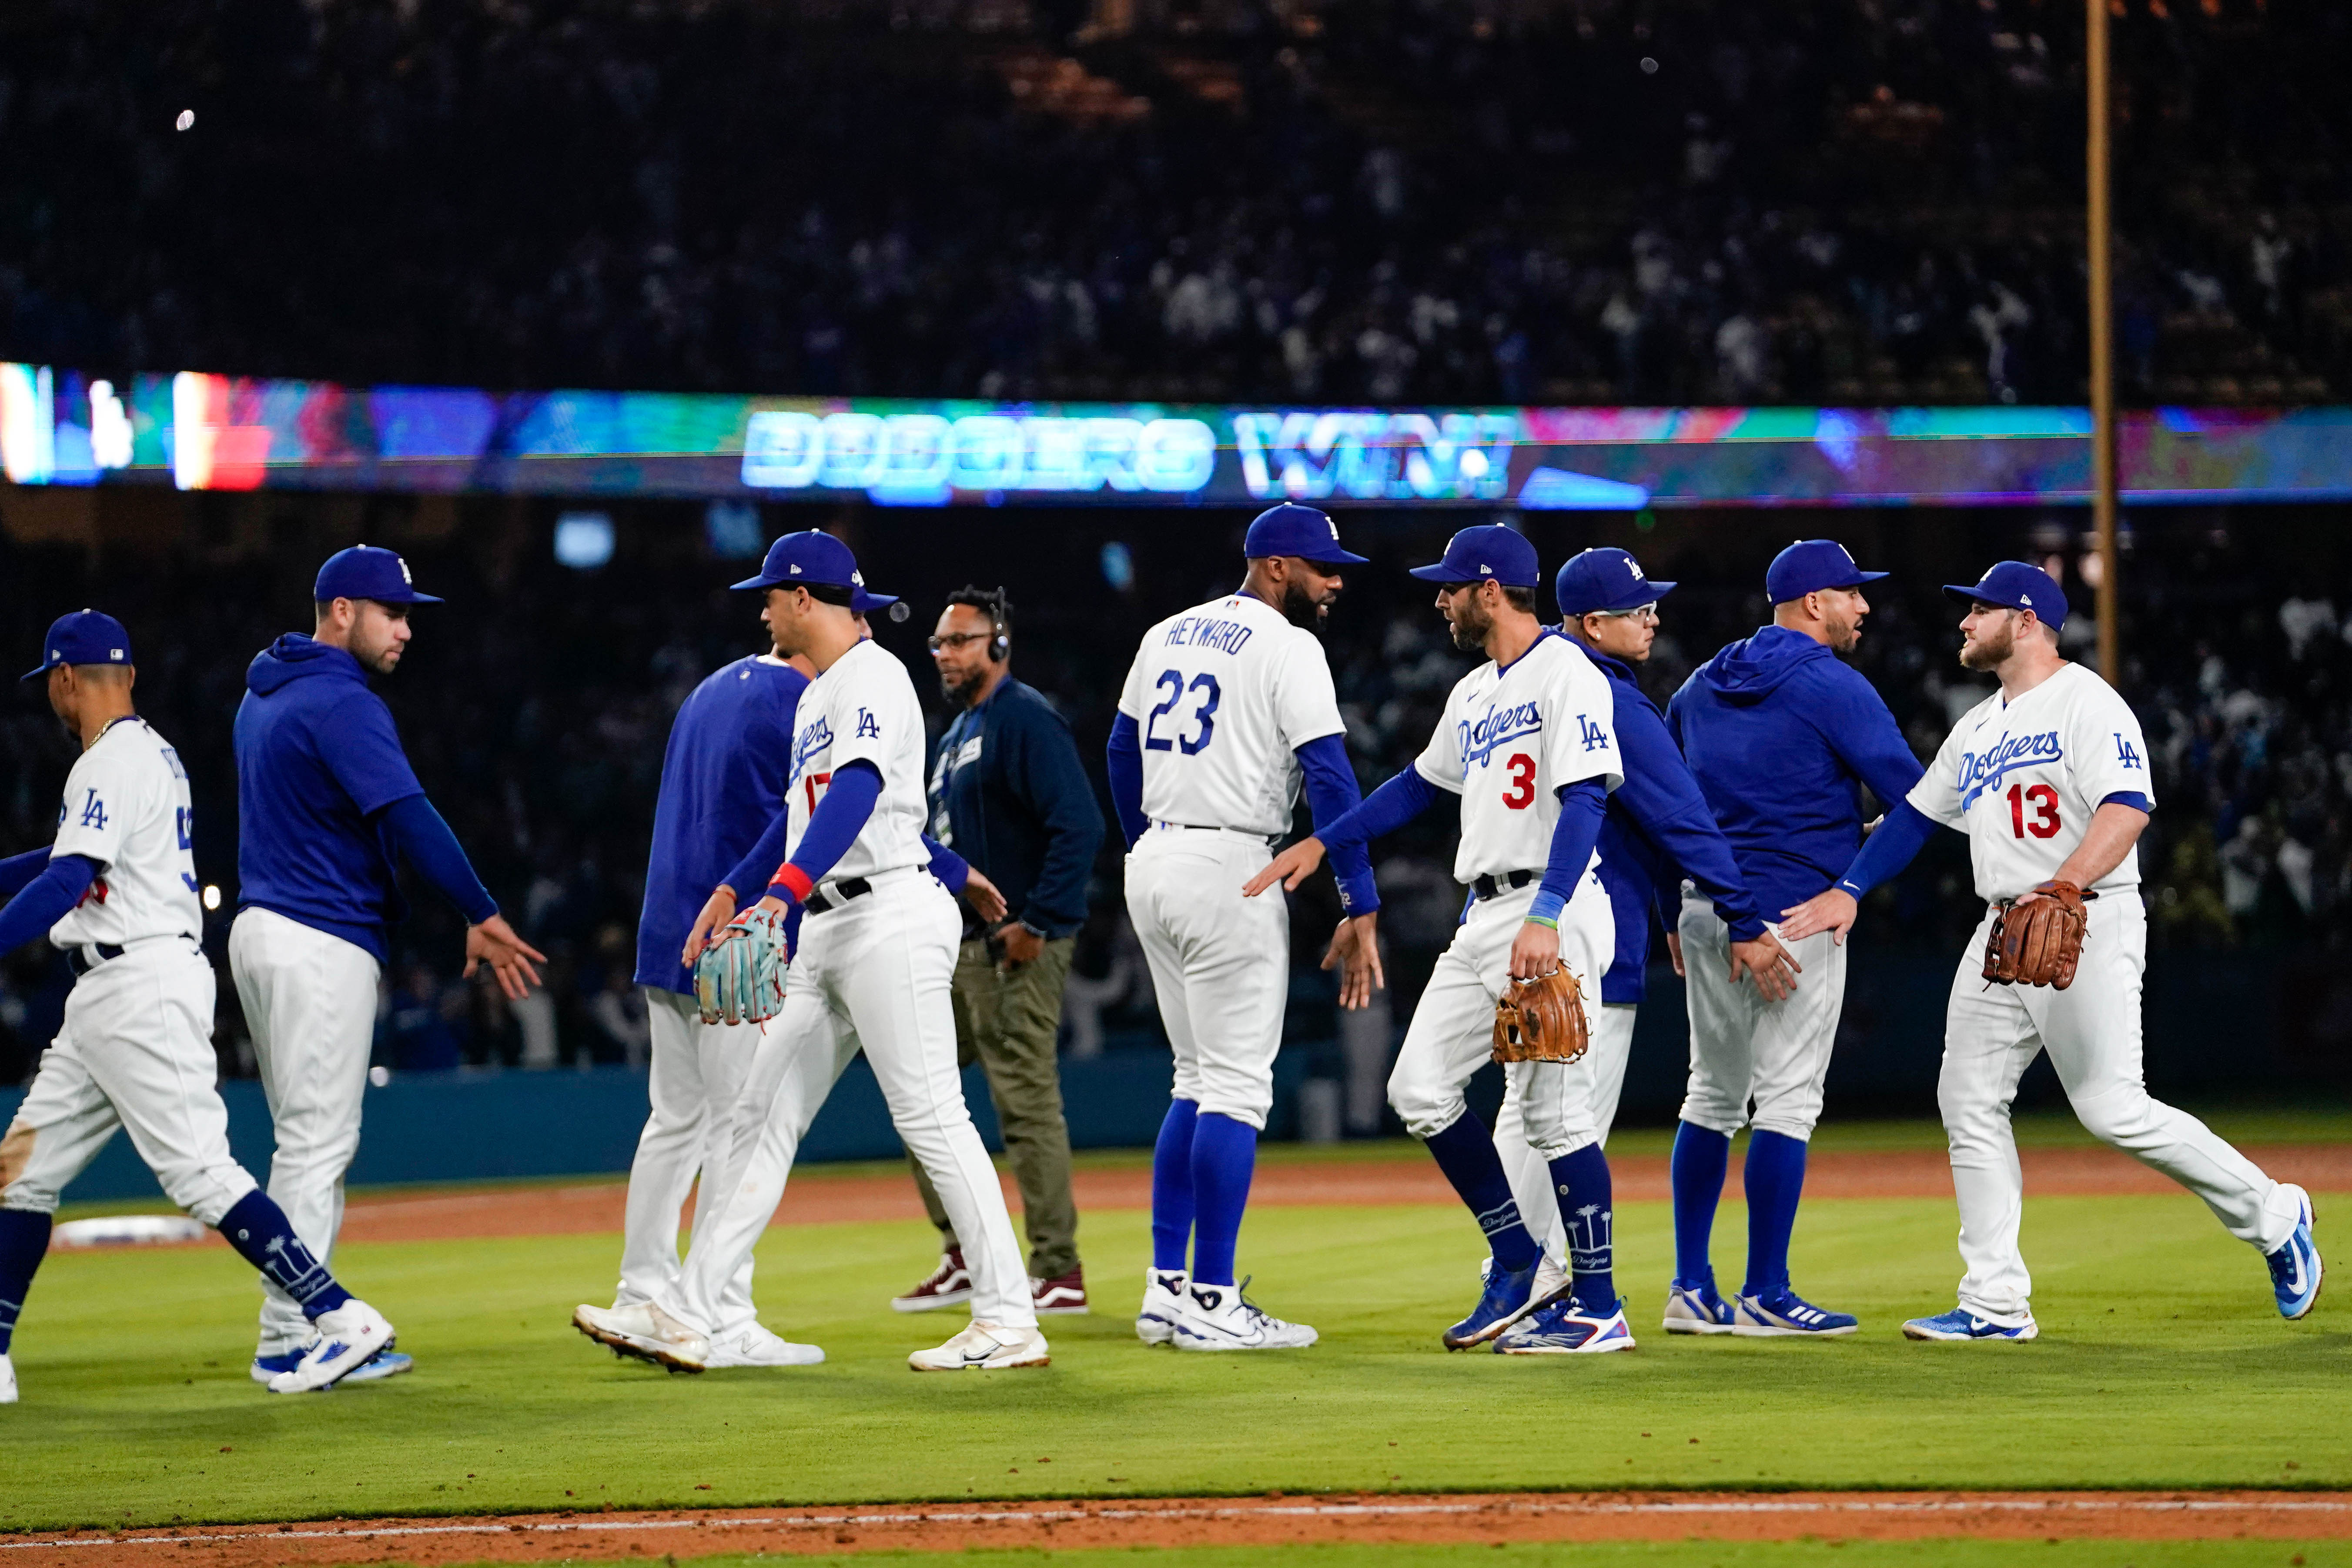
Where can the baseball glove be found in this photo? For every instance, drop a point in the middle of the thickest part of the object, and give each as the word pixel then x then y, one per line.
pixel 740 978
pixel 2039 943
pixel 1541 1020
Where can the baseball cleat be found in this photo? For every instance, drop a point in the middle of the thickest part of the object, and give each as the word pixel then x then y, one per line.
pixel 2295 1269
pixel 7 1380
pixel 1064 1296
pixel 1164 1306
pixel 349 1338
pixel 755 1345
pixel 1559 1329
pixel 1784 1314
pixel 949 1285
pixel 390 1364
pixel 1508 1296
pixel 1696 1310
pixel 646 1332
pixel 1220 1318
pixel 985 1347
pixel 1960 1323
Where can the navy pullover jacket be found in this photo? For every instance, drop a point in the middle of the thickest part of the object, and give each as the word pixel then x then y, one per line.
pixel 1781 734
pixel 1658 830
pixel 1010 796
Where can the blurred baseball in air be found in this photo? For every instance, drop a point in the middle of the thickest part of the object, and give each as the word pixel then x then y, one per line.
pixel 898 611
pixel 187 118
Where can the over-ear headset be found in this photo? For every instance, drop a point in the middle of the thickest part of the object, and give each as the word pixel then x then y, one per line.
pixel 1000 647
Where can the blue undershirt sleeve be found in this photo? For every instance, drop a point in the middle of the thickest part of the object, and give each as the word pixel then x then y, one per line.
pixel 45 899
pixel 1581 807
pixel 2132 798
pixel 1123 760
pixel 1331 794
pixel 18 869
pixel 833 826
pixel 1386 809
pixel 417 831
pixel 749 877
pixel 1900 837
pixel 950 868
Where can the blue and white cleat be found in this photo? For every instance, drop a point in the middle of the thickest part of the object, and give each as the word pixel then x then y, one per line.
pixel 1508 1297
pixel 1784 1314
pixel 349 1338
pixel 388 1363
pixel 1960 1323
pixel 2295 1269
pixel 1696 1310
pixel 1559 1329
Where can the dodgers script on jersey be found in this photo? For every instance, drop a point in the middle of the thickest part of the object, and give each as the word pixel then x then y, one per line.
pixel 1224 695
pixel 1510 740
pixel 127 809
pixel 2022 779
pixel 862 710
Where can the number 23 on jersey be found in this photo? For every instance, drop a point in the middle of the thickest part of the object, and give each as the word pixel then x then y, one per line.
pixel 1188 733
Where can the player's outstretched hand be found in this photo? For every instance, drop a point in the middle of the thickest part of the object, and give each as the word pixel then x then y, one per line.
pixel 1535 952
pixel 1290 867
pixel 983 896
pixel 1674 951
pixel 1831 910
pixel 716 910
pixel 1775 967
pixel 494 942
pixel 1355 951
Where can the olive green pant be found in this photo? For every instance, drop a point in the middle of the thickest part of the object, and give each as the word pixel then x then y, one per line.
pixel 1007 1023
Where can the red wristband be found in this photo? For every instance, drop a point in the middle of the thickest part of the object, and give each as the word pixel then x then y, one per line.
pixel 793 882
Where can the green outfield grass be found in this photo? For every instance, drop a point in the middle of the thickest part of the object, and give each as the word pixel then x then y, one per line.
pixel 1933 1554
pixel 2163 1364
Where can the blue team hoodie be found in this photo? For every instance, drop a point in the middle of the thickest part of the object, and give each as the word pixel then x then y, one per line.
pixel 1780 733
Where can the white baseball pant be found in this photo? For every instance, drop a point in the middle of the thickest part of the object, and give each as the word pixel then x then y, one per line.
pixel 135 1051
pixel 1746 1052
pixel 1610 1031
pixel 1219 962
pixel 1452 1035
pixel 874 973
pixel 2092 1031
pixel 696 1074
pixel 310 1000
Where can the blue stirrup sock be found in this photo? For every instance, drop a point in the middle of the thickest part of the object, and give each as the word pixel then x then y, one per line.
pixel 1588 1210
pixel 24 1242
pixel 1225 1156
pixel 1776 1179
pixel 1465 1153
pixel 1702 1158
pixel 260 1231
pixel 1171 1187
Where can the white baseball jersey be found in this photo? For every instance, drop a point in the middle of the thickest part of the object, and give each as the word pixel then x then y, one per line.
pixel 126 808
pixel 1224 694
pixel 1511 739
pixel 2022 778
pixel 862 710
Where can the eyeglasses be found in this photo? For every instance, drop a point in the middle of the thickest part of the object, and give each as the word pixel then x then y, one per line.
pixel 1648 612
pixel 956 639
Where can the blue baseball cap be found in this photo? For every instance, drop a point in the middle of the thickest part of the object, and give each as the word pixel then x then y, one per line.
pixel 1809 565
pixel 1604 578
pixel 810 559
pixel 1493 550
pixel 2017 586
pixel 85 636
pixel 1301 530
pixel 366 571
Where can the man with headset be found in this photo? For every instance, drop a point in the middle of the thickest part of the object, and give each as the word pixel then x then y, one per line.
pixel 1010 796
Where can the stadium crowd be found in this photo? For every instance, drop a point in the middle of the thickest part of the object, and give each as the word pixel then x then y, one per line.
pixel 536 703
pixel 1581 201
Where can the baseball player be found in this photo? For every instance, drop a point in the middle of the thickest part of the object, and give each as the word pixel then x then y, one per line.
pixel 1781 735
pixel 1528 741
pixel 1227 709
pixel 875 953
pixel 326 801
pixel 118 891
pixel 1657 827
pixel 2048 777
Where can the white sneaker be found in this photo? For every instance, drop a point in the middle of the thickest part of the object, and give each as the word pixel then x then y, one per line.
pixel 646 1331
pixel 984 1347
pixel 1220 1318
pixel 756 1346
pixel 1164 1306
pixel 349 1338
pixel 7 1380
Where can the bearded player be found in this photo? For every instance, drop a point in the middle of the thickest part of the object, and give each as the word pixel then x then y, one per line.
pixel 2048 777
pixel 1528 741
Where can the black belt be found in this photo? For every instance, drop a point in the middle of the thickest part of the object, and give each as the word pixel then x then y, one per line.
pixel 848 887
pixel 82 964
pixel 1487 888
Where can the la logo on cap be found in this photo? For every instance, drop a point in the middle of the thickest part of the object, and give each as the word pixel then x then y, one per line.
pixel 403 573
pixel 1634 567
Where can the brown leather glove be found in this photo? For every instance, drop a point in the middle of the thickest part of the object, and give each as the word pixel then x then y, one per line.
pixel 2039 943
pixel 1541 1020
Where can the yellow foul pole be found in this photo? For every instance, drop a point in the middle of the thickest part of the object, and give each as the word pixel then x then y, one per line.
pixel 2103 338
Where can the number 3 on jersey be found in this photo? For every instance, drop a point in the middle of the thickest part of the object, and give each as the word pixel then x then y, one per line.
pixel 1172 681
pixel 1522 793
pixel 2044 802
